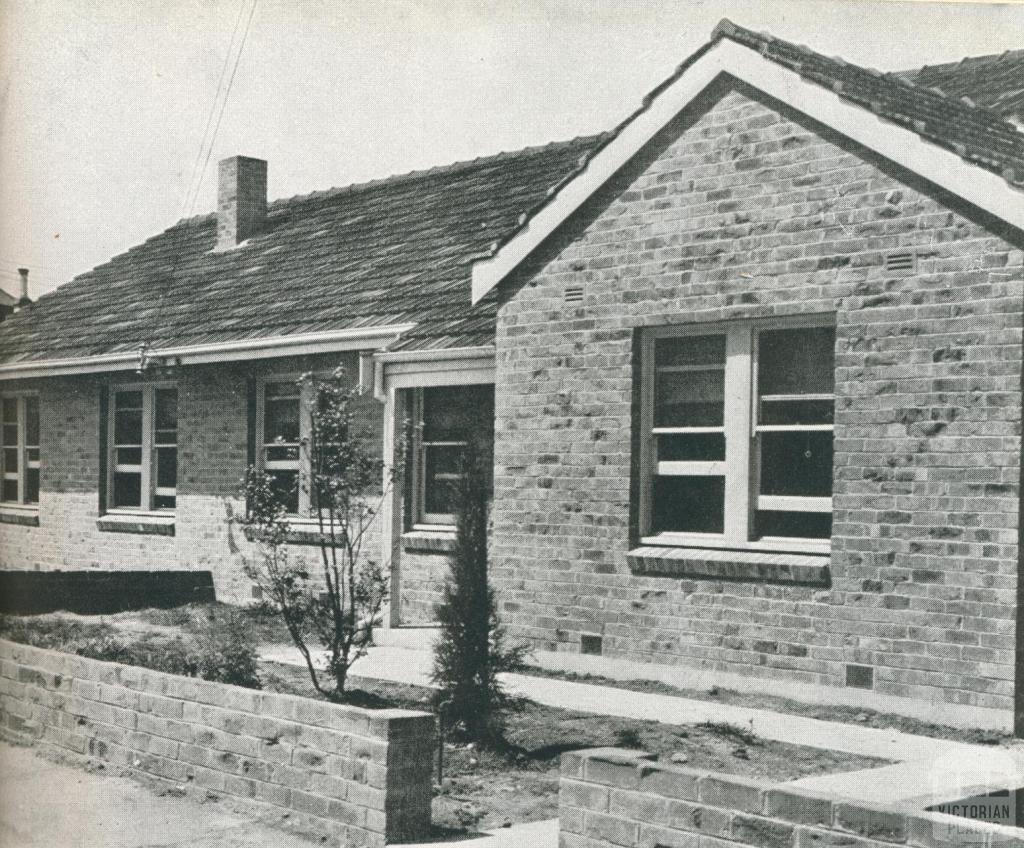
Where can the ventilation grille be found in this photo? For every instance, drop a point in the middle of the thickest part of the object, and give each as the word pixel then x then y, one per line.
pixel 906 261
pixel 591 644
pixel 860 676
pixel 574 294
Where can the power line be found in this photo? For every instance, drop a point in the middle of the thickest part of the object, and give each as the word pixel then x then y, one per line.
pixel 223 105
pixel 185 205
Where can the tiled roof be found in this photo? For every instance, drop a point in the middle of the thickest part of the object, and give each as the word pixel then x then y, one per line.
pixel 392 251
pixel 995 82
pixel 977 134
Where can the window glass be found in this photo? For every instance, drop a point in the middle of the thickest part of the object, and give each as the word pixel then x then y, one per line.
pixel 127 489
pixel 794 525
pixel 286 487
pixel 281 408
pixel 796 361
pixel 443 466
pixel 797 463
pixel 128 418
pixel 32 422
pixel 689 505
pixel 689 382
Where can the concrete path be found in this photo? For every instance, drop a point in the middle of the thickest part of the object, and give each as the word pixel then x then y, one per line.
pixel 925 769
pixel 408 666
pixel 47 805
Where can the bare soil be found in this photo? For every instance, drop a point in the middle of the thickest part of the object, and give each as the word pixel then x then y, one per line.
pixel 488 789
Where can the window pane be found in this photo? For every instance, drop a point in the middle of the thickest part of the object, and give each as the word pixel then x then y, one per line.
pixel 31 421
pixel 10 490
pixel 32 485
pixel 128 400
pixel 690 350
pixel 689 504
pixel 285 485
pixel 127 489
pixel 278 453
pixel 10 411
pixel 166 468
pixel 443 466
pixel 452 413
pixel 129 456
pixel 797 412
pixel 164 501
pixel 166 417
pixel 128 427
pixel 10 434
pixel 10 460
pixel 801 525
pixel 796 464
pixel 689 399
pixel 692 447
pixel 797 361
pixel 281 420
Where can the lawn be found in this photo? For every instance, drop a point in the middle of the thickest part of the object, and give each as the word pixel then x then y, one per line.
pixel 480 789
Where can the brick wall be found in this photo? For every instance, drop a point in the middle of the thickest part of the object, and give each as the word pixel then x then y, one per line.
pixel 356 777
pixel 612 797
pixel 744 211
pixel 212 456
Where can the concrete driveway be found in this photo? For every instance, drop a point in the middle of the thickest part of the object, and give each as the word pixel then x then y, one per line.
pixel 46 804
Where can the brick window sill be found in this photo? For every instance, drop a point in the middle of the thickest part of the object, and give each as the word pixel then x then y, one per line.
pixel 301 532
pixel 429 541
pixel 739 566
pixel 142 523
pixel 23 516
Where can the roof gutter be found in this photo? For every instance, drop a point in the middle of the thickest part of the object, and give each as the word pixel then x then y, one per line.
pixel 355 338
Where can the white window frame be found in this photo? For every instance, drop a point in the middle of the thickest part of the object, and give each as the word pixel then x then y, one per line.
pixel 147 468
pixel 22 448
pixel 741 428
pixel 423 520
pixel 300 465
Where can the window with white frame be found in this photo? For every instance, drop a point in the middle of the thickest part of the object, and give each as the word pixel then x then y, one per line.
pixel 143 448
pixel 283 427
pixel 19 450
pixel 738 424
pixel 447 417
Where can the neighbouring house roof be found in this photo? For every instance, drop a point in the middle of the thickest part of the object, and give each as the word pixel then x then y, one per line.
pixel 394 251
pixel 995 82
pixel 400 251
pixel 7 299
pixel 974 133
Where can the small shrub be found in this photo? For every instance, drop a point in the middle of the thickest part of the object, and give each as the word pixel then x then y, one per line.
pixel 627 737
pixel 728 730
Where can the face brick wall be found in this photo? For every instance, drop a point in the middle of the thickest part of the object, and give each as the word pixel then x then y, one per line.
pixel 748 213
pixel 212 455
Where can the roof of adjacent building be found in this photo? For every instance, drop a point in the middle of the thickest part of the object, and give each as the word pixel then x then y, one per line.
pixel 7 299
pixel 389 252
pixel 399 250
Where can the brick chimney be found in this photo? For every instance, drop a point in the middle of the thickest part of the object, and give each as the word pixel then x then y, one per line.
pixel 241 200
pixel 24 299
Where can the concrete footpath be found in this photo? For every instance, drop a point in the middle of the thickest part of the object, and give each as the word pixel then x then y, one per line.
pixel 48 805
pixel 924 770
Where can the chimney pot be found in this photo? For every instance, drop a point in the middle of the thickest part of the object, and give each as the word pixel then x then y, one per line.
pixel 241 200
pixel 24 299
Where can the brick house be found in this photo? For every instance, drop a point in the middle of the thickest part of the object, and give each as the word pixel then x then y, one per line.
pixel 754 359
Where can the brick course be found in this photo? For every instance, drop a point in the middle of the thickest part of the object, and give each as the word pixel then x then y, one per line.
pixel 748 211
pixel 610 797
pixel 212 457
pixel 358 777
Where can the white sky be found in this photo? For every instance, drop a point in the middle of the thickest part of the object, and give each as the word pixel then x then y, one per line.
pixel 103 103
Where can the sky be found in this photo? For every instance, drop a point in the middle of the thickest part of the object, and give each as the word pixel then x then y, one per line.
pixel 104 103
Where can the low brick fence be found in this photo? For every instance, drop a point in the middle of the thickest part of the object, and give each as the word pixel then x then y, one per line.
pixel 613 797
pixel 358 777
pixel 97 592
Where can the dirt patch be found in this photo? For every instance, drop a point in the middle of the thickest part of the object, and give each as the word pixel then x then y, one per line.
pixel 825 712
pixel 487 789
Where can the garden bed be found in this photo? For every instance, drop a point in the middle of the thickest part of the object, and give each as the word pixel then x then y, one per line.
pixel 481 789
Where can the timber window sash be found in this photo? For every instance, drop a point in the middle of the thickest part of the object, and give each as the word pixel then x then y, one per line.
pixel 143 448
pixel 447 419
pixel 283 429
pixel 737 431
pixel 19 450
